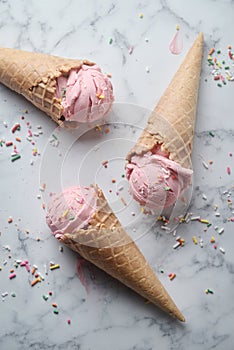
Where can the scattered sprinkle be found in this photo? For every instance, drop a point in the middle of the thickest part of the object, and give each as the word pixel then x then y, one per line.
pixel 222 250
pixel 195 240
pixel 228 170
pixel 55 266
pixel 171 276
pixel 209 291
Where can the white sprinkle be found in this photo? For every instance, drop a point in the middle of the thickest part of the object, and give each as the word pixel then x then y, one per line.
pixel 225 192
pixel 132 213
pixel 216 228
pixel 7 247
pixel 147 69
pixel 4 262
pixel 40 132
pixel 204 197
pixel 18 261
pixel 45 269
pixel 31 162
pixel 205 164
pixel 5 124
pixel 194 218
pixel 222 250
pixel 201 243
pixel 120 188
pixel 174 233
pixel 146 40
pixel 178 238
pixel 36 134
pixel 5 294
pixel 221 231
pixel 35 267
pixel 165 228
pixel 42 277
pixel 176 245
pixel 217 214
pixel 133 230
pixel 39 127
pixel 38 196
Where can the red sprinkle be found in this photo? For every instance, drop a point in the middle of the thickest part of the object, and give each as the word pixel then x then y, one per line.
pixel 9 143
pixel 15 127
pixel 228 170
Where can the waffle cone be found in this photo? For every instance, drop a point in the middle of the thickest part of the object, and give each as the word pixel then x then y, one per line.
pixel 34 75
pixel 172 122
pixel 109 247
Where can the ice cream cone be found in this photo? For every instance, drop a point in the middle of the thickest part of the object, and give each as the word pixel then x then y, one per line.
pixel 171 124
pixel 106 244
pixel 34 75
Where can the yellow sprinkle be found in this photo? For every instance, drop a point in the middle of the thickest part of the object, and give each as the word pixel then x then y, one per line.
pixel 53 267
pixel 212 240
pixel 140 15
pixel 65 213
pixel 203 221
pixel 194 239
pixel 177 27
pixel 209 57
pixel 142 209
pixel 219 64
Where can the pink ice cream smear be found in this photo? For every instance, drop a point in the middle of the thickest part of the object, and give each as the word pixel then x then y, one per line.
pixel 86 94
pixel 155 181
pixel 71 210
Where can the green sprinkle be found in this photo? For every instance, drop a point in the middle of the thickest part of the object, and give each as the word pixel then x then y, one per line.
pixel 223 62
pixel 55 137
pixel 167 188
pixel 123 175
pixel 226 67
pixel 13 294
pixel 110 41
pixel 1 144
pixel 219 85
pixel 219 51
pixel 17 156
pixel 56 311
pixel 208 225
pixel 211 133
pixel 72 218
pixel 45 297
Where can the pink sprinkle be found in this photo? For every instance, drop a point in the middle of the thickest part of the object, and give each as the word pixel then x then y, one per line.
pixel 228 170
pixel 9 143
pixel 130 51
pixel 27 267
pixel 30 133
pixel 23 263
pixel 222 78
pixel 230 154
pixel 69 321
pixel 215 246
pixel 13 275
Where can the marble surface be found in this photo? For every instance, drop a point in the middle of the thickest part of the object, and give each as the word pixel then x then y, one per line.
pixel 104 314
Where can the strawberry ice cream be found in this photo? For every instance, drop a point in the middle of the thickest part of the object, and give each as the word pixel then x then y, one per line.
pixel 156 181
pixel 71 210
pixel 86 94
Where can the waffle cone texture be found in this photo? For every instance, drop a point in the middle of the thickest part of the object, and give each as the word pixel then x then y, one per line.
pixel 172 122
pixel 106 244
pixel 34 75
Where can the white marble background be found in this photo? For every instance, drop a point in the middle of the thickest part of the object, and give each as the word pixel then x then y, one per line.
pixel 109 315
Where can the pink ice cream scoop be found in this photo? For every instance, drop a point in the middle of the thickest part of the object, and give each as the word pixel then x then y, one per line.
pixel 86 94
pixel 70 210
pixel 155 181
